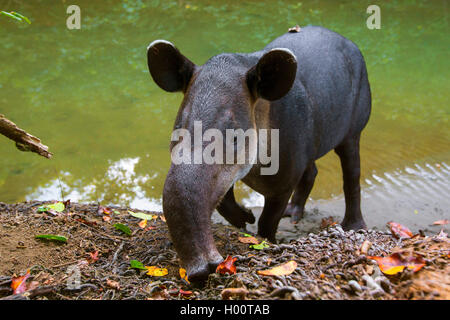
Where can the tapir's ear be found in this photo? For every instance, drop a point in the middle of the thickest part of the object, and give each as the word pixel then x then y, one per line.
pixel 273 75
pixel 168 67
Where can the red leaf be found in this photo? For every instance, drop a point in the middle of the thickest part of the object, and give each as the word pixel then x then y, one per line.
pixel 227 266
pixel 18 284
pixel 398 261
pixel 400 231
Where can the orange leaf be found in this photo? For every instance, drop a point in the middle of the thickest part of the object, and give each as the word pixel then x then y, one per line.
pixel 18 284
pixel 143 223
pixel 441 222
pixel 93 256
pixel 282 270
pixel 163 218
pixel 227 266
pixel 251 240
pixel 183 275
pixel 106 218
pixel 327 222
pixel 399 231
pixel 398 261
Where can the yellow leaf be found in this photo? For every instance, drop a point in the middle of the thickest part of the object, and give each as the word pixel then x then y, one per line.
pixel 156 272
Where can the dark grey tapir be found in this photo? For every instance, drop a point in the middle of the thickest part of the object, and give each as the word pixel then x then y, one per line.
pixel 311 85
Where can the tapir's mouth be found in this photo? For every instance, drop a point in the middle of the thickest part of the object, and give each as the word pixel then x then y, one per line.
pixel 199 274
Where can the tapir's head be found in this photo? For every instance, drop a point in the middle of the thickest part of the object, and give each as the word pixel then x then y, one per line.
pixel 219 95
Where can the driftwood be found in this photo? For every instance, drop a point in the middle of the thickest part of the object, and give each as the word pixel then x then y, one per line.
pixel 24 141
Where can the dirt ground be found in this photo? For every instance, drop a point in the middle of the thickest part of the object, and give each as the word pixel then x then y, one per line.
pixel 331 264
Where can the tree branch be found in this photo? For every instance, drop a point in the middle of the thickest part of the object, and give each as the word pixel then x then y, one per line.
pixel 24 141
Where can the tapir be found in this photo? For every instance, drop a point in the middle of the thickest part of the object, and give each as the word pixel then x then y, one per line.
pixel 311 85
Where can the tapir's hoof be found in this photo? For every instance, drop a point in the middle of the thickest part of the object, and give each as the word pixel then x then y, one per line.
pixel 353 225
pixel 294 212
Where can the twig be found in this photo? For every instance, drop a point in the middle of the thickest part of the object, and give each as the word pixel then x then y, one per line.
pixel 30 294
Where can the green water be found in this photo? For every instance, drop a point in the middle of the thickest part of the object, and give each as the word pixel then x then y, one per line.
pixel 88 95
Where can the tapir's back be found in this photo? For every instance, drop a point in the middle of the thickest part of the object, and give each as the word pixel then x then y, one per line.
pixel 332 71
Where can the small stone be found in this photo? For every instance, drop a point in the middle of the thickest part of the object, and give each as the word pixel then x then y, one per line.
pixel 355 286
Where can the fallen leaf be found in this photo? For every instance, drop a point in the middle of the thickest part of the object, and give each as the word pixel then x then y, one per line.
pixel 124 228
pixel 260 246
pixel 18 284
pixel 113 284
pixel 327 222
pixel 365 247
pixel 399 231
pixel 156 272
pixel 250 239
pixel 186 293
pixel 183 275
pixel 51 237
pixel 106 218
pixel 181 292
pixel 137 265
pixel 142 215
pixel 53 208
pixel 88 222
pixel 398 261
pixel 163 218
pixel 93 256
pixel 282 270
pixel 143 223
pixel 227 293
pixel 441 222
pixel 227 266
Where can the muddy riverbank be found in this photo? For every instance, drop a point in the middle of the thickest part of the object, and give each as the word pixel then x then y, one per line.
pixel 331 264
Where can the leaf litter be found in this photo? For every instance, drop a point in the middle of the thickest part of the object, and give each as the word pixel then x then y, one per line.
pixel 331 264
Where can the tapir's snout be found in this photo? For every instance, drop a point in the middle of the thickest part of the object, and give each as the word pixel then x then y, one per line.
pixel 189 198
pixel 199 273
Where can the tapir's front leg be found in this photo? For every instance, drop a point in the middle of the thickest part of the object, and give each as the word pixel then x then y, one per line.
pixel 233 212
pixel 274 207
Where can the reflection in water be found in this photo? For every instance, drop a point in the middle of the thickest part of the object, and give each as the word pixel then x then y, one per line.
pixel 120 173
pixel 88 95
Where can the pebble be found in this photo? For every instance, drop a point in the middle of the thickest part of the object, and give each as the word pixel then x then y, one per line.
pixel 355 286
pixel 370 282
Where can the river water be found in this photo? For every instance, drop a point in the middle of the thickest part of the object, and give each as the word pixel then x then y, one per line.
pixel 88 95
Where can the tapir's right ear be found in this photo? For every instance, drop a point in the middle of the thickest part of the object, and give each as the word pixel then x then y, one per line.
pixel 168 67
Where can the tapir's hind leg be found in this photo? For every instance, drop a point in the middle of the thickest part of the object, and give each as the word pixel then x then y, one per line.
pixel 235 214
pixel 348 152
pixel 296 207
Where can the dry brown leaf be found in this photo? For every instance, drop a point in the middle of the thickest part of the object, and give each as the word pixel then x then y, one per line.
pixel 240 293
pixel 251 240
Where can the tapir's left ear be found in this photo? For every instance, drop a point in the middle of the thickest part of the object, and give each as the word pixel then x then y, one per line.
pixel 168 67
pixel 273 75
